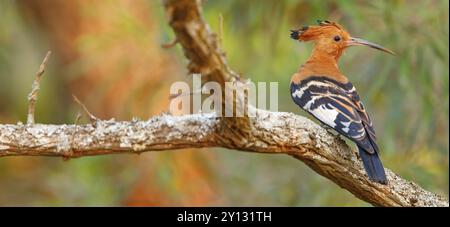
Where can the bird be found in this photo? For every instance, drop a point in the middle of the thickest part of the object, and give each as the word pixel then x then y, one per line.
pixel 320 89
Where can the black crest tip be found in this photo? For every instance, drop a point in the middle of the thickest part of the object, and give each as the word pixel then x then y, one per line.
pixel 294 34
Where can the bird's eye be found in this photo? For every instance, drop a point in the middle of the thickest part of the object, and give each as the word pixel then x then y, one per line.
pixel 337 38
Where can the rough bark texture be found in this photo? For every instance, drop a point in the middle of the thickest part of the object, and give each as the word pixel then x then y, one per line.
pixel 268 132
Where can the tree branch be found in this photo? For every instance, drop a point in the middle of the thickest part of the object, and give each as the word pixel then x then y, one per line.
pixel 270 132
pixel 199 44
pixel 163 132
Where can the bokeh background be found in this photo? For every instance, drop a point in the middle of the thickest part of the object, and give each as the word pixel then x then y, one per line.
pixel 109 54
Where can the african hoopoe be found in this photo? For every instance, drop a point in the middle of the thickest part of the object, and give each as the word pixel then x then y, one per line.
pixel 323 91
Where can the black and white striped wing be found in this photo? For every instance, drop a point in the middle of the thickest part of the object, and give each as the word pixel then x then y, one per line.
pixel 338 106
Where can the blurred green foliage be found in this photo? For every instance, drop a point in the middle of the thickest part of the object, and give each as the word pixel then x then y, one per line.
pixel 407 97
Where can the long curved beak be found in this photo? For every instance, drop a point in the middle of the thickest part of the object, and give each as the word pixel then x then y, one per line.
pixel 362 42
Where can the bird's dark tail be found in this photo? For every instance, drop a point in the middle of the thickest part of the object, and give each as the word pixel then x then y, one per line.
pixel 373 166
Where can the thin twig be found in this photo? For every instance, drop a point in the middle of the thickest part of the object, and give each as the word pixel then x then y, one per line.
pixel 91 117
pixel 32 97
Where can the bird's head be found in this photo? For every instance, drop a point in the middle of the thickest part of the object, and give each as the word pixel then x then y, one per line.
pixel 331 38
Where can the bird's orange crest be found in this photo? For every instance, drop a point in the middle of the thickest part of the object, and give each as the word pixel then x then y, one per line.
pixel 330 39
pixel 315 32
